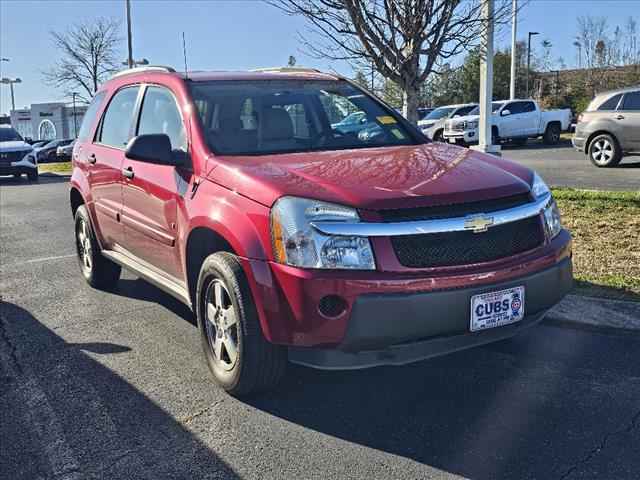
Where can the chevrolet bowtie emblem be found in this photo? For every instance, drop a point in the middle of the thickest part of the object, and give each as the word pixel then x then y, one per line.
pixel 478 223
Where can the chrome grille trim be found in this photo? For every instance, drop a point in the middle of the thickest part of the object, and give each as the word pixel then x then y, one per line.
pixel 420 227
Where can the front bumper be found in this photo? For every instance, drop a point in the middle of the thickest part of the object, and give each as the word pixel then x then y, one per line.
pixel 404 328
pixel 469 136
pixel 21 167
pixel 578 143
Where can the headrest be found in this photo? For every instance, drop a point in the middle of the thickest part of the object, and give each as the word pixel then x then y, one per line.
pixel 276 124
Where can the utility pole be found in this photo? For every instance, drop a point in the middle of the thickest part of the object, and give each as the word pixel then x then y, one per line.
pixel 514 27
pixel 75 122
pixel 486 82
pixel 129 40
pixel 10 82
pixel 529 60
pixel 372 72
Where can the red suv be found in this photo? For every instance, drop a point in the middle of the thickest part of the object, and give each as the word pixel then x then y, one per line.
pixel 292 240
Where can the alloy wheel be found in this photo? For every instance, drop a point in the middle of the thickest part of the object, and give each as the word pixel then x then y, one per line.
pixel 83 244
pixel 602 151
pixel 221 325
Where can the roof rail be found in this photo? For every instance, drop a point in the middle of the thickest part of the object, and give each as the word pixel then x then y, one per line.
pixel 146 68
pixel 287 70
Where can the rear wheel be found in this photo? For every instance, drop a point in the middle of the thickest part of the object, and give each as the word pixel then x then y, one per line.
pixel 241 360
pixel 552 134
pixel 98 271
pixel 495 138
pixel 604 151
pixel 17 175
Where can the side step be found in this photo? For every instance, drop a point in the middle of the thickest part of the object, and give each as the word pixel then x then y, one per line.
pixel 172 286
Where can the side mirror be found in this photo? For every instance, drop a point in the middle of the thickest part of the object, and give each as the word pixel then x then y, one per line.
pixel 505 112
pixel 152 148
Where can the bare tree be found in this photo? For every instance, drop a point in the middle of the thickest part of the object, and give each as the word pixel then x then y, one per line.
pixel 88 55
pixel 406 40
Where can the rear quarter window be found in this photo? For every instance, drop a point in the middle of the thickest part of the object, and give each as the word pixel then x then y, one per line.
pixel 611 103
pixel 90 116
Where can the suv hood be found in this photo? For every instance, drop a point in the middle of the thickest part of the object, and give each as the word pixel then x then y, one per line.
pixel 15 146
pixel 375 178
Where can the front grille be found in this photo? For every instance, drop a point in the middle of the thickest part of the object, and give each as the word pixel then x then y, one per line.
pixel 454 210
pixel 457 127
pixel 462 248
pixel 8 157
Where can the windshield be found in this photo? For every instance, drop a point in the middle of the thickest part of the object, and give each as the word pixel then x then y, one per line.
pixel 439 113
pixel 279 116
pixel 495 106
pixel 423 112
pixel 9 135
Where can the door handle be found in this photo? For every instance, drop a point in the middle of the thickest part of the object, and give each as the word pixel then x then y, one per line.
pixel 619 117
pixel 128 172
pixel 92 158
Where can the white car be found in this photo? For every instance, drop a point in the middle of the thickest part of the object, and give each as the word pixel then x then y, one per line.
pixel 433 124
pixel 16 155
pixel 513 120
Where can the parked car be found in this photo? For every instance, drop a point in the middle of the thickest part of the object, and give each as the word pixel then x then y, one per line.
pixel 609 128
pixel 63 152
pixel 352 123
pixel 433 124
pixel 39 143
pixel 511 120
pixel 16 155
pixel 423 112
pixel 293 241
pixel 49 152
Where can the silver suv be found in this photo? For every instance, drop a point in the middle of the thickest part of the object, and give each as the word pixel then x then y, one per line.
pixel 610 127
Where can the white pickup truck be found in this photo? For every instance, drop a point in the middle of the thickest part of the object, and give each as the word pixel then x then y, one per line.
pixel 511 120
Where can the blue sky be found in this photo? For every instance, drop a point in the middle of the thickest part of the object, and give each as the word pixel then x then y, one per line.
pixel 225 34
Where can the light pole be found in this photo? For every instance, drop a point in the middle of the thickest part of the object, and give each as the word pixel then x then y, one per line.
pixel 10 82
pixel 75 121
pixel 514 24
pixel 529 59
pixel 135 63
pixel 129 39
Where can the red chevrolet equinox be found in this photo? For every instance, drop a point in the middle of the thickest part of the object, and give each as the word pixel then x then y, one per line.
pixel 304 220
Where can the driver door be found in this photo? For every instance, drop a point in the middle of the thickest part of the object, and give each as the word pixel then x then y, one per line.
pixel 153 193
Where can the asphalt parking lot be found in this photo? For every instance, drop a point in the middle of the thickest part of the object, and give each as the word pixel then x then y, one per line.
pixel 112 385
pixel 562 166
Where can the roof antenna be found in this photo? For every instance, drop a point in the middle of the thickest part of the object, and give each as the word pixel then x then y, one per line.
pixel 184 50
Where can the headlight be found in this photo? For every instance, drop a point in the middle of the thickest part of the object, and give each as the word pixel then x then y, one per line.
pixel 552 218
pixel 297 243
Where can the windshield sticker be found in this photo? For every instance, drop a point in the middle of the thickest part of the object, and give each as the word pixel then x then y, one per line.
pixel 387 120
pixel 397 133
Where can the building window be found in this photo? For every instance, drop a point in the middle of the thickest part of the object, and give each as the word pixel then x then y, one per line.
pixel 46 130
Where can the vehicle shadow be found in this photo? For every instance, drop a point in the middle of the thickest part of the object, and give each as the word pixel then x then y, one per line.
pixel 537 145
pixel 69 416
pixel 23 182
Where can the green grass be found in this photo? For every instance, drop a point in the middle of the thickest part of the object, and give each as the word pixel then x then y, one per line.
pixel 606 240
pixel 63 168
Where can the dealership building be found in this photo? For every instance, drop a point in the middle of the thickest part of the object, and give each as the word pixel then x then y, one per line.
pixel 48 121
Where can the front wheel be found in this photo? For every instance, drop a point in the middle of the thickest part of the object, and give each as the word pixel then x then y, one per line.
pixel 241 360
pixel 438 136
pixel 604 151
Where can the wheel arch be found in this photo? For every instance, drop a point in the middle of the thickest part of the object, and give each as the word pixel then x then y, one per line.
pixel 587 144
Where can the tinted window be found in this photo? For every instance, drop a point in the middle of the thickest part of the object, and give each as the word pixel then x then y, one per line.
pixel 465 110
pixel 439 113
pixel 89 116
pixel 610 104
pixel 514 108
pixel 528 107
pixel 116 123
pixel 160 114
pixel 631 101
pixel 260 117
pixel 9 135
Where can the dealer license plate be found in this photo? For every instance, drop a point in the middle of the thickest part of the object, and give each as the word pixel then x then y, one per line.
pixel 495 309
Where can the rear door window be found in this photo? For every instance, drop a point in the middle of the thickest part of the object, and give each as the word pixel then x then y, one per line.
pixel 117 120
pixel 631 101
pixel 611 103
pixel 528 107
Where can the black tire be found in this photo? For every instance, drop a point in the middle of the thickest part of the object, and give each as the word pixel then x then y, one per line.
pixel 438 136
pixel 604 151
pixel 33 175
pixel 257 365
pixel 520 142
pixel 17 175
pixel 98 271
pixel 495 138
pixel 552 134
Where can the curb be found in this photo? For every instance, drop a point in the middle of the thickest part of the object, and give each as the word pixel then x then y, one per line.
pixel 597 312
